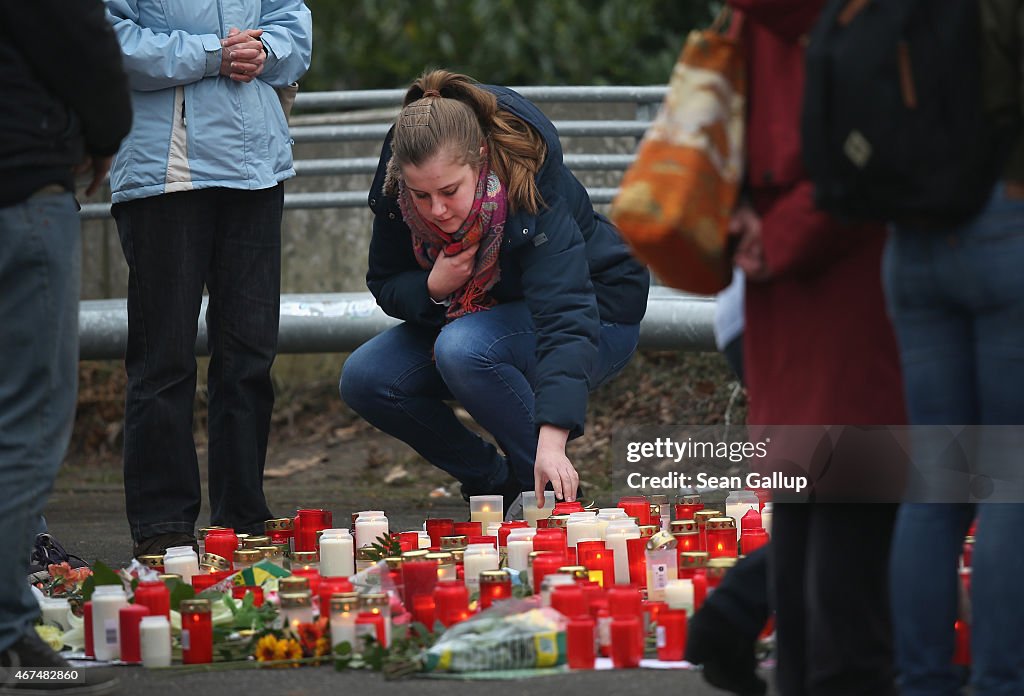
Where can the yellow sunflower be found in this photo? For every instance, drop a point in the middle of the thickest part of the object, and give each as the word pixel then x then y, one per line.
pixel 289 650
pixel 267 648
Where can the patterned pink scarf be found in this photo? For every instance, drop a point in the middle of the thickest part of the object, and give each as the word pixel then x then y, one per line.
pixel 484 224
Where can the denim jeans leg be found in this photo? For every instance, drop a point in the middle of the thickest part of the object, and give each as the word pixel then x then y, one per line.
pixel 40 276
pixel 242 319
pixel 393 383
pixel 167 241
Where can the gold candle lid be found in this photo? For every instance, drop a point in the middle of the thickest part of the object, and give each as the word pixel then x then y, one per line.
pixel 655 509
pixel 211 561
pixel 394 562
pixel 280 524
pixel 721 523
pixel 693 559
pixel 458 541
pixel 371 600
pixel 577 572
pixel 304 557
pixel 271 553
pixel 648 530
pixel 256 541
pixel 241 536
pixel 683 526
pixel 458 555
pixel 194 606
pixel 205 531
pixel 721 562
pixel 661 540
pixel 441 557
pixel 415 554
pixel 292 583
pixel 494 577
pixel 345 601
pixel 558 521
pixel 164 577
pixel 151 560
pixel 688 499
pixel 366 553
pixel 294 600
pixel 659 499
pixel 702 516
pixel 248 556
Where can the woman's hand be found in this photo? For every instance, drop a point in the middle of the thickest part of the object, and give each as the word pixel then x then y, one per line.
pixel 451 272
pixel 746 226
pixel 552 465
pixel 242 57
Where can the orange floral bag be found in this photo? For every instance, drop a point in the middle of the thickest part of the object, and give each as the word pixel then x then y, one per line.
pixel 675 200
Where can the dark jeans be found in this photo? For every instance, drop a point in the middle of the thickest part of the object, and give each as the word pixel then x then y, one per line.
pixel 399 380
pixel 40 272
pixel 828 564
pixel 230 241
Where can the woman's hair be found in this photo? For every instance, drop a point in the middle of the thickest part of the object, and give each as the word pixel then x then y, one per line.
pixel 447 111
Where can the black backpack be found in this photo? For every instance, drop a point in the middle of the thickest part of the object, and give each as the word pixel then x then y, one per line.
pixel 893 127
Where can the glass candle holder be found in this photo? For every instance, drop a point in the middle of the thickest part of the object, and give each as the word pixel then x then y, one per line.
pixel 721 537
pixel 601 567
pixel 636 548
pixel 155 596
pixel 128 618
pixel 154 562
pixel 751 520
pixel 107 601
pixel 533 514
pixel 567 508
pixel 181 560
pixel 308 522
pixel 625 600
pixel 378 604
pixel 550 539
pixel 196 631
pixel 485 509
pixel 444 564
pixel 468 529
pixel 343 610
pixel 637 507
pixel 545 563
pixel 586 548
pixel 702 518
pixel 455 541
pixel 686 506
pixel 506 528
pixel 438 527
pixel 222 543
pixel 424 611
pixel 569 600
pixel 255 541
pixel 305 560
pixel 627 637
pixel 280 530
pixel 419 576
pixel 407 541
pixel 753 539
pixel 662 564
pixel 246 558
pixel 368 624
pixel 670 635
pixel 518 548
pixel 328 588
pixel 451 602
pixel 690 561
pixel 201 535
pixel 477 559
pixel 494 585
pixel 155 641
pixel 312 575
pixel 296 608
pixel 337 558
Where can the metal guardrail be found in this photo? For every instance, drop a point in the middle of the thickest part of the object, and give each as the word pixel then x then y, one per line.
pixel 340 322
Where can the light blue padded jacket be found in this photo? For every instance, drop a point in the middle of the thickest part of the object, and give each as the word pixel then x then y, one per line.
pixel 194 128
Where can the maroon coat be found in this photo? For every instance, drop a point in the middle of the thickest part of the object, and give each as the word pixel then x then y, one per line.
pixel 818 346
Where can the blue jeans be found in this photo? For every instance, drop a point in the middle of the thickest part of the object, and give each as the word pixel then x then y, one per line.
pixel 399 380
pixel 230 241
pixel 957 304
pixel 40 275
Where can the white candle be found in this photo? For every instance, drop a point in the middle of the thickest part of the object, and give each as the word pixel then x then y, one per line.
pixel 766 517
pixel 737 504
pixel 485 509
pixel 155 641
pixel 519 553
pixel 424 540
pixel 343 623
pixel 615 539
pixel 183 561
pixel 607 515
pixel 369 528
pixel 531 513
pixel 336 555
pixel 679 594
pixel 106 632
pixel 492 529
pixel 476 559
pixel 55 612
pixel 581 525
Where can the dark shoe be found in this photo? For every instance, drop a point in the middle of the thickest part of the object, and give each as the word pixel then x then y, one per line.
pixel 158 544
pixel 725 652
pixel 48 551
pixel 30 653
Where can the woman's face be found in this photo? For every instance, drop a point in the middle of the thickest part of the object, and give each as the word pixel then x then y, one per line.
pixel 442 190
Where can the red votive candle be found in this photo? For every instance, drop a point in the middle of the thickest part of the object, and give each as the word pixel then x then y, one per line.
pixel 752 540
pixel 962 645
pixel 602 567
pixel 407 541
pixel 494 585
pixel 624 600
pixel 308 522
pixel 637 550
pixel 451 602
pixel 329 587
pixel 569 600
pixel 506 528
pixel 580 642
pixel 700 588
pixel 637 506
pixel 586 549
pixel 670 635
pixel 370 624
pixel 438 527
pixel 627 642
pixel 203 581
pixel 423 610
pixel 652 610
pixel 128 618
pixel 721 538
pixel 751 520
pixel 311 574
pixel 550 539
pixel 544 564
pixel 482 539
pixel 154 595
pixel 419 576
pixel 687 541
pixel 196 632
pixel 87 621
pixel 468 529
pixel 565 508
pixel 223 543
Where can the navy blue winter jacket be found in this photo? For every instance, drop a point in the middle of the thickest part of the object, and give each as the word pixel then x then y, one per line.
pixel 567 262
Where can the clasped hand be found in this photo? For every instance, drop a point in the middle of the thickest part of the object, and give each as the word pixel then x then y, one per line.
pixel 242 57
pixel 451 272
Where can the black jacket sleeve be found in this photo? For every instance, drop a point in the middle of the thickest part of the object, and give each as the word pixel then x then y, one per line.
pixel 74 53
pixel 394 276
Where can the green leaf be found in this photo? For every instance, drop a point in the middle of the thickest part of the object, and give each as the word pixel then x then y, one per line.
pixel 179 592
pixel 101 575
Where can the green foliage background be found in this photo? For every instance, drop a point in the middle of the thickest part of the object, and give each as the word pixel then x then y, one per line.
pixel 370 44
